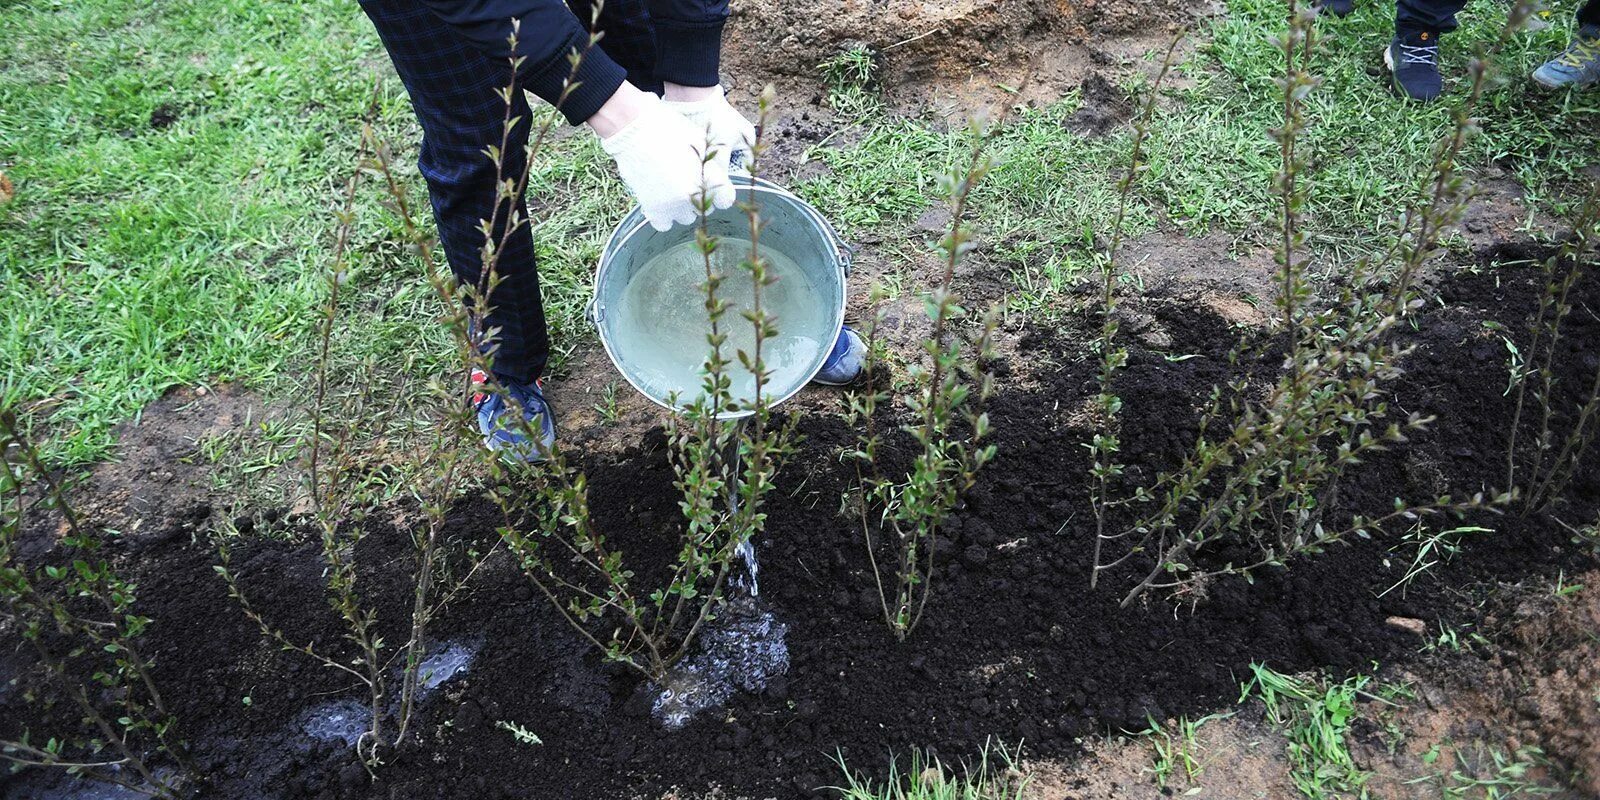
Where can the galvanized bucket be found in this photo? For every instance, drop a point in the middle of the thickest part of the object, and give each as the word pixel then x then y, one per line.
pixel 635 318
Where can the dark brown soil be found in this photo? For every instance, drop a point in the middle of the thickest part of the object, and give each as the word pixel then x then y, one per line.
pixel 1014 646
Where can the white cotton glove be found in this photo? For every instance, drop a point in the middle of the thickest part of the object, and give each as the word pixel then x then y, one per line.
pixel 658 156
pixel 728 130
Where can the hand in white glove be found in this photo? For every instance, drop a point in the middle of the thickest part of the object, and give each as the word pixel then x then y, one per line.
pixel 728 130
pixel 658 155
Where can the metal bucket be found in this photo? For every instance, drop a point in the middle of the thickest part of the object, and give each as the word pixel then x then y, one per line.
pixel 636 318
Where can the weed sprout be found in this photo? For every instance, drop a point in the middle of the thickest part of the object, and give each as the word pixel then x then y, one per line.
pixel 995 776
pixel 1315 717
pixel 852 78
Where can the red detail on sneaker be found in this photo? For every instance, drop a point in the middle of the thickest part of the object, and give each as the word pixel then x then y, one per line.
pixel 479 379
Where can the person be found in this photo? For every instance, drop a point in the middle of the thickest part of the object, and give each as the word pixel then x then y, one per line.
pixel 1412 56
pixel 651 91
pixel 1579 65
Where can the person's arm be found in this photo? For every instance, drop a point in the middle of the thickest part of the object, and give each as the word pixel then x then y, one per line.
pixel 657 151
pixel 688 43
pixel 548 33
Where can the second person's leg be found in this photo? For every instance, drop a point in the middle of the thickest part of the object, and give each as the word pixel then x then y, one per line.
pixel 1578 65
pixel 1412 58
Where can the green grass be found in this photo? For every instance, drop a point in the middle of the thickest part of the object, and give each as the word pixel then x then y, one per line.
pixel 137 257
pixel 1314 715
pixel 994 777
pixel 1176 750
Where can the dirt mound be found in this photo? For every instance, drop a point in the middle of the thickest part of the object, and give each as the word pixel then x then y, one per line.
pixel 1546 682
pixel 1013 645
pixel 160 478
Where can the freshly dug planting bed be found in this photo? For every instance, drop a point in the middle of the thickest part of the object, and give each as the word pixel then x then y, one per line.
pixel 1014 646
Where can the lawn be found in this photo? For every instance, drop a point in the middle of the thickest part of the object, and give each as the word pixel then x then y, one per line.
pixel 176 166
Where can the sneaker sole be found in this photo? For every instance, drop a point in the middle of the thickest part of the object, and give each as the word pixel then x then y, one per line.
pixel 1547 86
pixel 822 382
pixel 1559 87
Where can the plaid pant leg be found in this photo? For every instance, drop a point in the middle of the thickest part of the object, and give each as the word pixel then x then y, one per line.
pixel 1434 16
pixel 629 39
pixel 453 93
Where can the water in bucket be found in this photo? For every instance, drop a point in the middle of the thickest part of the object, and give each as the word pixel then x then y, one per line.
pixel 649 300
pixel 663 316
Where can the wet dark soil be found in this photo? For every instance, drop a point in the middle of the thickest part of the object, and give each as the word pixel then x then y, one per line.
pixel 1014 646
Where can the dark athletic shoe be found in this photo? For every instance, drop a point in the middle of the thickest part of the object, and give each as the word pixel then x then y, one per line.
pixel 510 417
pixel 1338 8
pixel 845 363
pixel 1578 66
pixel 1413 64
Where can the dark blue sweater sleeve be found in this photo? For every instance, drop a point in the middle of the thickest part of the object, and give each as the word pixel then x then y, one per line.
pixel 548 34
pixel 689 40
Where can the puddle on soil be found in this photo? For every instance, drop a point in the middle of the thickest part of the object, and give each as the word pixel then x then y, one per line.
pixel 41 784
pixel 345 720
pixel 341 720
pixel 447 660
pixel 742 648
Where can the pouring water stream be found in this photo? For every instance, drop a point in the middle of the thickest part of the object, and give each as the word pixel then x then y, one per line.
pixel 742 649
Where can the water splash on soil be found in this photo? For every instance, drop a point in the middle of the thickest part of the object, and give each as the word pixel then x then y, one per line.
pixel 743 648
pixel 345 720
pixel 59 785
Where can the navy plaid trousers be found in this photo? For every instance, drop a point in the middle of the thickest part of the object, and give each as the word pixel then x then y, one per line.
pixel 453 92
pixel 1439 16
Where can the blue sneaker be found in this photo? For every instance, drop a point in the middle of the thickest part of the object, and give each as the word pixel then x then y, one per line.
pixel 502 431
pixel 1413 63
pixel 1577 67
pixel 845 363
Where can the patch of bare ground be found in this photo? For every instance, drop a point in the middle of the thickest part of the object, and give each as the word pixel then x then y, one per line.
pixel 1238 757
pixel 949 56
pixel 159 480
pixel 1541 682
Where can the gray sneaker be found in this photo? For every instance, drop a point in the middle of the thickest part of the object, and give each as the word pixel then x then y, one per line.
pixel 1577 67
